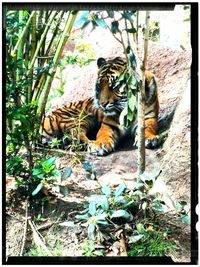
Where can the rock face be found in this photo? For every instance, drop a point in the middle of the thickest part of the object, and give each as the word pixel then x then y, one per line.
pixel 176 162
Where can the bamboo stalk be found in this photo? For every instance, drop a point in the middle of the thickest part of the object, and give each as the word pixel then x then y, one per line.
pixel 63 40
pixel 53 14
pixel 13 52
pixel 141 105
pixel 32 52
pixel 54 34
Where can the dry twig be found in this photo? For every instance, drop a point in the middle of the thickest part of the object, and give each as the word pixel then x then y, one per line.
pixel 38 241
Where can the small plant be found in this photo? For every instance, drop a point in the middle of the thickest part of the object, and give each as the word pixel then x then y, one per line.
pixel 45 173
pixel 103 208
pixel 89 249
pixel 149 242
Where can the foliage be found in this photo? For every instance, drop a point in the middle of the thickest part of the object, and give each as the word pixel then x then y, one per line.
pixel 118 206
pixel 149 242
pixel 123 32
pixel 34 42
pixel 45 173
pixel 136 210
pixel 89 249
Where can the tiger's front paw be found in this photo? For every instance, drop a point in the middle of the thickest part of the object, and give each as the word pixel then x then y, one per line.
pixel 152 142
pixel 100 148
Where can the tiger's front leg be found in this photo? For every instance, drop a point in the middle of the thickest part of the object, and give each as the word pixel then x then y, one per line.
pixel 105 141
pixel 152 140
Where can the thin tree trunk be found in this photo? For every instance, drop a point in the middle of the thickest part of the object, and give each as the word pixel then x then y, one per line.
pixel 141 105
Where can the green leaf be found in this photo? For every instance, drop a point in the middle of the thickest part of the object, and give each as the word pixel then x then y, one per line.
pixel 128 49
pixel 51 161
pixel 110 13
pixel 130 115
pixel 122 214
pixel 83 217
pixel 37 171
pixel 138 185
pixel 91 230
pixel 132 83
pixel 132 30
pixel 87 166
pixel 140 228
pixel 92 208
pixel 106 190
pixel 101 217
pixel 145 177
pixel 121 77
pixel 120 189
pixel 85 24
pixel 186 219
pixel 183 203
pixel 100 23
pixel 56 173
pixel 103 224
pixel 82 19
pixel 136 238
pixel 114 27
pixel 104 203
pixel 67 173
pixel 121 200
pixel 128 15
pixel 37 189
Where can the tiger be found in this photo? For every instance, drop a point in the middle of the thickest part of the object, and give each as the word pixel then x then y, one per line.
pixel 101 112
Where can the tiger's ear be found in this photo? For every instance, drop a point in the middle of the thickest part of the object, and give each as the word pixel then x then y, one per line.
pixel 100 61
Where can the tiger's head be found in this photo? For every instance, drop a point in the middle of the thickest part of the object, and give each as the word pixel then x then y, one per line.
pixel 107 96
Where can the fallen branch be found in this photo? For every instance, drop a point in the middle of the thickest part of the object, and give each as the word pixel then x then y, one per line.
pixel 45 226
pixel 38 241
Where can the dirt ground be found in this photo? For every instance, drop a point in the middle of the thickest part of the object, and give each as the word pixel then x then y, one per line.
pixel 54 220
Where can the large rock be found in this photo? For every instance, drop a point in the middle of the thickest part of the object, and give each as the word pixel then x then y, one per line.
pixel 176 161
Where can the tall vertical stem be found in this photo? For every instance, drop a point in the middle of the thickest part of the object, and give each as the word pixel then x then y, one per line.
pixel 141 104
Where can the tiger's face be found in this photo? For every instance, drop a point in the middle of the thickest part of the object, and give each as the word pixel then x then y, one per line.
pixel 107 94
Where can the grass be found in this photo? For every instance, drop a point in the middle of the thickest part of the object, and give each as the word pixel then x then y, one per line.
pixel 152 245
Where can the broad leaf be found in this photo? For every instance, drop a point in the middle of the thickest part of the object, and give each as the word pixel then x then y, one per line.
pixel 51 161
pixel 82 19
pixel 136 238
pixel 67 173
pixel 37 189
pixel 83 217
pixel 186 219
pixel 37 171
pixel 87 166
pixel 92 208
pixel 114 27
pixel 106 190
pixel 101 217
pixel 100 23
pixel 110 13
pixel 120 189
pixel 122 214
pixel 91 231
pixel 131 30
pixel 104 203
